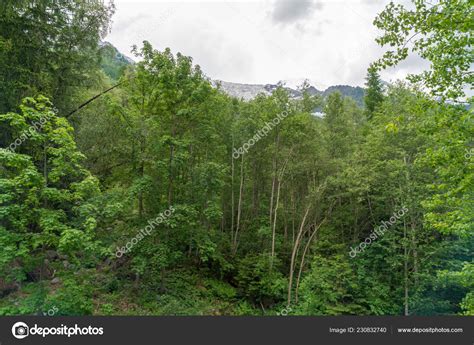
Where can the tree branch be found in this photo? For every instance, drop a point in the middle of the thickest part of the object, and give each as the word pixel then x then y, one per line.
pixel 93 98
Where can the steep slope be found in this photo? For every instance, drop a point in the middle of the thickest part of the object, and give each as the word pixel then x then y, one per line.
pixel 112 61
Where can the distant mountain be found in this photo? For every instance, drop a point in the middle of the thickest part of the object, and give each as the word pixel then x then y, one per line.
pixel 355 92
pixel 250 91
pixel 112 61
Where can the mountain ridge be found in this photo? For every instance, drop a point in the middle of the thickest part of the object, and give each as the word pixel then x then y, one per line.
pixel 250 91
pixel 113 63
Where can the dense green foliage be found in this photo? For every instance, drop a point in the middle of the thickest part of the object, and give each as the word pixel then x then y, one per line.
pixel 49 47
pixel 440 32
pixel 166 196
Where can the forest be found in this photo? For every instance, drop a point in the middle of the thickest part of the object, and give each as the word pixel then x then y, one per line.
pixel 141 188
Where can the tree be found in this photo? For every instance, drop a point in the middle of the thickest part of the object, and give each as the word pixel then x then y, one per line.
pixel 49 47
pixel 374 91
pixel 46 195
pixel 439 32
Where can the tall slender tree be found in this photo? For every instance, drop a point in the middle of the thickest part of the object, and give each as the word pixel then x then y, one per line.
pixel 374 91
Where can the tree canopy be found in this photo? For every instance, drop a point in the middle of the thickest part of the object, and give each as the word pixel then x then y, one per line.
pixel 163 195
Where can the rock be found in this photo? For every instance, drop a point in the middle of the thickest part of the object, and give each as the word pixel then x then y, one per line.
pixel 55 280
pixel 51 254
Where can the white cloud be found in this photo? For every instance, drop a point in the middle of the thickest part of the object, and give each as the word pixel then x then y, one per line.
pixel 329 42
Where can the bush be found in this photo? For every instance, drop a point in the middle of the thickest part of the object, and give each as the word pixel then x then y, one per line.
pixel 73 297
pixel 258 281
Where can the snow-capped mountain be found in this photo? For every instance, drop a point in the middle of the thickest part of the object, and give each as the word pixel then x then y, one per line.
pixel 250 91
pixel 113 62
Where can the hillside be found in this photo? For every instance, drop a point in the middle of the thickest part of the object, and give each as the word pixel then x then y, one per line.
pixel 250 91
pixel 113 62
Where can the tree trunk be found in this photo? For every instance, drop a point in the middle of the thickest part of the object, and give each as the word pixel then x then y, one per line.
pixel 303 257
pixel 274 222
pixel 239 207
pixel 274 175
pixel 405 257
pixel 232 196
pixel 293 254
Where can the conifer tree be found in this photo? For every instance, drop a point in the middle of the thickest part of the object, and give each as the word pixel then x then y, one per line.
pixel 374 93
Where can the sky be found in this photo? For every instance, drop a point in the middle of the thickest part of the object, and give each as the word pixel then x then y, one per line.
pixel 263 41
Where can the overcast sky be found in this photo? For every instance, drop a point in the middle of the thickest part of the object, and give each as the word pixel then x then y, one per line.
pixel 328 42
